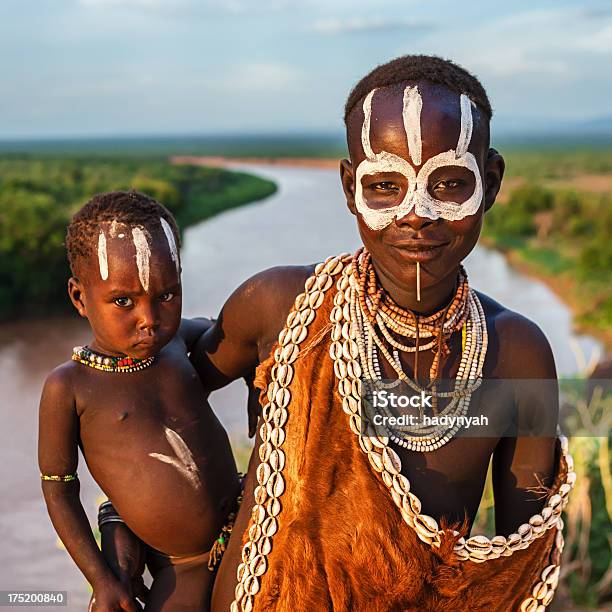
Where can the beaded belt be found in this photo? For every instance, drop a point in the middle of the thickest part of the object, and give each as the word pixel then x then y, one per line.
pixel 218 548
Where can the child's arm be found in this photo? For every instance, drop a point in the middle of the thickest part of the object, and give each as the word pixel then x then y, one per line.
pixel 58 456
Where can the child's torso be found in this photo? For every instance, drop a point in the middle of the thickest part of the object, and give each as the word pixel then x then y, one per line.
pixel 153 444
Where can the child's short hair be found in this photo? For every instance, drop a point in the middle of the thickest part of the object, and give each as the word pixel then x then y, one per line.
pixel 427 68
pixel 128 207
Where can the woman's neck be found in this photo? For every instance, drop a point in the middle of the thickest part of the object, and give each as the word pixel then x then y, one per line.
pixel 433 297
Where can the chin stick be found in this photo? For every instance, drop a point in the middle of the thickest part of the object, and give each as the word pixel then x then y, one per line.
pixel 418 281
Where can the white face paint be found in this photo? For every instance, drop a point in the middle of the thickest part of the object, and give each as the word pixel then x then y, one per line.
pixel 143 255
pixel 102 256
pixel 417 195
pixel 171 244
pixel 113 228
pixel 183 460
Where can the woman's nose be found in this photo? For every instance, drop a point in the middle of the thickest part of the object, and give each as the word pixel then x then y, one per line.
pixel 413 220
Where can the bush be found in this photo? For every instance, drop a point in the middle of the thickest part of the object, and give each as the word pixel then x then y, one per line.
pixel 38 197
pixel 516 217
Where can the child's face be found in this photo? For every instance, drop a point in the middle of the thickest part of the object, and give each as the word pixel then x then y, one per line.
pixel 420 171
pixel 130 291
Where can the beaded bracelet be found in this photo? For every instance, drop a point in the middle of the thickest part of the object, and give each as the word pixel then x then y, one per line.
pixel 115 518
pixel 56 478
pixel 108 514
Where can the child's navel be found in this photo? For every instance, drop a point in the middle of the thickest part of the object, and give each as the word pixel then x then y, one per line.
pixel 123 415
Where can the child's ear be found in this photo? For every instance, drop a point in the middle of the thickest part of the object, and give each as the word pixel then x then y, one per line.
pixel 493 175
pixel 75 291
pixel 348 184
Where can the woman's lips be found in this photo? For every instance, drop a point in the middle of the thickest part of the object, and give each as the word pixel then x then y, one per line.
pixel 420 250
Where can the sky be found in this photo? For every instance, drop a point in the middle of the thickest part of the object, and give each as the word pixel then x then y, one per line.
pixel 197 67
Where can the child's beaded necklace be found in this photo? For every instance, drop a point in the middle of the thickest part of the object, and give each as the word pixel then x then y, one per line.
pixel 106 363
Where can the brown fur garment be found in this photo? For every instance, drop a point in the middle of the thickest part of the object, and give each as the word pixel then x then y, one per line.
pixel 342 544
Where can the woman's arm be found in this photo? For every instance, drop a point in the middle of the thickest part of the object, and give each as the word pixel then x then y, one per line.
pixel 524 461
pixel 191 330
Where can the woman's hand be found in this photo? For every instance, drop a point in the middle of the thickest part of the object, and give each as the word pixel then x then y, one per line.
pixel 253 405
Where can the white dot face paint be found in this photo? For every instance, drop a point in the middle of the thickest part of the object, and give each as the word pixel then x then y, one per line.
pixel 183 460
pixel 417 195
pixel 112 232
pixel 102 256
pixel 143 255
pixel 171 244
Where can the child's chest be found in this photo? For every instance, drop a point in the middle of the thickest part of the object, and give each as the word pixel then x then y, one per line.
pixel 166 394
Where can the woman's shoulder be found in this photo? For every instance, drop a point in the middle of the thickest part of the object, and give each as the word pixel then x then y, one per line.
pixel 523 350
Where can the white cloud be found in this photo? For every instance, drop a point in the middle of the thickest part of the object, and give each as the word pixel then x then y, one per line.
pixel 543 64
pixel 599 41
pixel 546 42
pixel 137 4
pixel 366 24
pixel 188 7
pixel 259 77
pixel 507 62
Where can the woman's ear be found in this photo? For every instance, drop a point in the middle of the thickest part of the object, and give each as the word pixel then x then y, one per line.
pixel 75 291
pixel 493 175
pixel 348 184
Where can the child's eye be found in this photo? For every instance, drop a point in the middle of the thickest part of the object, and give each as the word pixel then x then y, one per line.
pixel 123 302
pixel 166 297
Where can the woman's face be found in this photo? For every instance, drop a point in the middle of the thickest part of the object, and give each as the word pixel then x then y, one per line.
pixel 418 179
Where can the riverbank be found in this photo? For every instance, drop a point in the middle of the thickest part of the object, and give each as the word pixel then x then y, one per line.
pixel 563 286
pixel 218 161
pixel 562 237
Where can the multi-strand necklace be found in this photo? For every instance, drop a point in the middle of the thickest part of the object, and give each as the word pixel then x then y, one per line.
pixel 107 363
pixel 380 323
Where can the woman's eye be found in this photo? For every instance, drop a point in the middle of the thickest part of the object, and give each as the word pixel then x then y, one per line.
pixel 123 302
pixel 166 297
pixel 447 185
pixel 386 186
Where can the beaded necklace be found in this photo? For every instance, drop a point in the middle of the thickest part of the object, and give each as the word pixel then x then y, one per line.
pixel 106 363
pixel 381 311
pixel 372 311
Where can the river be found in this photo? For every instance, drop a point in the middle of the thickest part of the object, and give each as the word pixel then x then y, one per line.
pixel 304 222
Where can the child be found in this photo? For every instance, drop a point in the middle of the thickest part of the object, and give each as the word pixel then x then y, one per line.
pixel 133 403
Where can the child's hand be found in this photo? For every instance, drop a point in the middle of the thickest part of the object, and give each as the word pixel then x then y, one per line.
pixel 112 596
pixel 124 553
